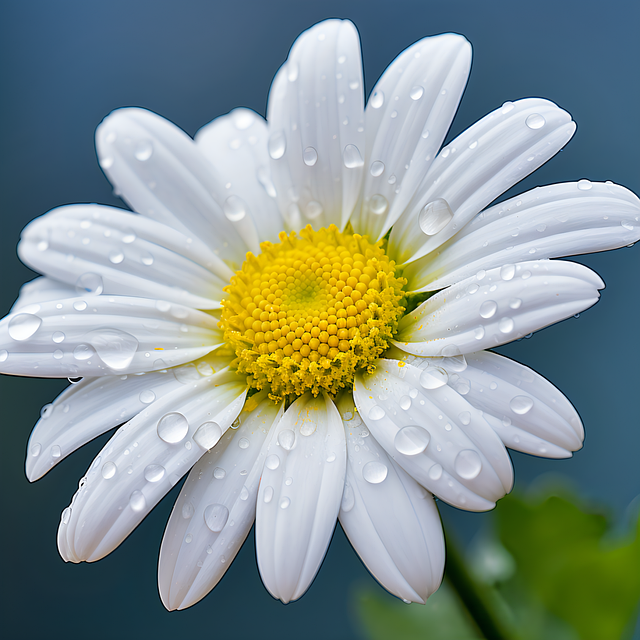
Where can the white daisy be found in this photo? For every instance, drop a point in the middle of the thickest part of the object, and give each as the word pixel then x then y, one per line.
pixel 326 379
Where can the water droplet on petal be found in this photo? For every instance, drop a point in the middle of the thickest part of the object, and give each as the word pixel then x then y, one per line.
pixel 310 156
pixel 23 326
pixel 405 403
pixel 58 354
pixel 116 348
pixel 535 121
pixel 488 308
pixel 374 472
pixel 144 150
pixel 244 493
pixel 313 209
pixel 66 516
pixel 137 501
pixel 411 440
pixel 465 417
pixel 515 303
pixel 285 502
pixel 89 283
pixel 187 510
pixel 207 435
pixel 348 499
pixel 4 354
pixel 584 185
pixel 277 145
pixel 268 494
pixel 351 157
pixel 377 168
pixel 521 404
pixel 435 472
pixel 234 209
pixel 219 473
pixel 272 462
pixel 35 450
pixel 467 464
pixel 507 271
pixel 378 204
pixel 147 396
pixel 243 443
pixel 377 100
pixel 287 439
pixel 172 427
pixel 116 256
pixel 435 216
pixel 153 472
pixel 109 470
pixel 83 352
pixel 506 325
pixel 433 378
pixel 473 144
pixel 376 413
pixel 416 93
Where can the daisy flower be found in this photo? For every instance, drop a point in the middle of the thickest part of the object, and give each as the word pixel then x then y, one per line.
pixel 299 311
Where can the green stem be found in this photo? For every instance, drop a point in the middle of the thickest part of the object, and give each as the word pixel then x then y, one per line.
pixel 476 598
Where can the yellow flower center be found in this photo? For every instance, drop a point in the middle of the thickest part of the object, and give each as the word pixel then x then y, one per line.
pixel 310 311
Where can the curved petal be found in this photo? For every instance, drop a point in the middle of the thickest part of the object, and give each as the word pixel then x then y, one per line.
pixel 391 521
pixel 103 335
pixel 407 117
pixel 497 306
pixel 102 249
pixel 161 174
pixel 316 126
pixel 474 169
pixel 236 146
pixel 299 495
pixel 85 410
pixel 434 434
pixel 548 222
pixel 40 290
pixel 141 463
pixel 216 509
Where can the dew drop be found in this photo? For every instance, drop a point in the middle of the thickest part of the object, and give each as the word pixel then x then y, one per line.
pixel 374 472
pixel 66 515
pixel 56 452
pixel 405 403
pixel 234 208
pixel 584 185
pixel 277 145
pixel 144 150
pixel 244 493
pixel 242 119
pixel 89 283
pixel 377 100
pixel 507 271
pixel 268 494
pixel 292 71
pixel 435 216
pixel 4 354
pixel 272 462
pixel 376 413
pixel 23 326
pixel 313 209
pixel 433 378
pixel 147 396
pixel 285 502
pixel 435 472
pixel 219 473
pixel 243 443
pixel 116 257
pixel 473 144
pixel 506 107
pixel 137 501
pixel 506 325
pixel 348 499
pixel 172 427
pixel 154 472
pixel 35 450
pixel 310 156
pixel 351 157
pixel 287 439
pixel 83 352
pixel 187 510
pixel 521 404
pixel 514 303
pixel 467 464
pixel 411 440
pixel 535 121
pixel 488 308
pixel 207 435
pixel 416 93
pixel 378 204
pixel 377 168
pixel 116 348
pixel 465 417
pixel 109 470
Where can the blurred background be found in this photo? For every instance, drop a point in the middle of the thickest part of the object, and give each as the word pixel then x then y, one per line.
pixel 65 65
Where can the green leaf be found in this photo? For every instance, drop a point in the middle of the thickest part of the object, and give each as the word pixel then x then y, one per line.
pixel 564 556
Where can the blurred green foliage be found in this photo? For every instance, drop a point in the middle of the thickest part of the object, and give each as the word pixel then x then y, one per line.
pixel 551 568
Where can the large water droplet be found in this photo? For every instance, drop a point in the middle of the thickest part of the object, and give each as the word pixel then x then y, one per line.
pixel 272 462
pixel 378 204
pixel 433 378
pixel 377 168
pixel 219 473
pixel 506 325
pixel 216 516
pixel 435 216
pixel 153 472
pixel 58 337
pixel 488 309
pixel 467 464
pixel 116 348
pixel 584 185
pixel 535 121
pixel 521 404
pixel 412 440
pixel 144 150
pixel 207 435
pixel 285 502
pixel 172 427
pixel 465 417
pixel 351 157
pixel 416 93
pixel 307 427
pixel 268 494
pixel 507 271
pixel 374 472
pixel 116 256
pixel 435 472
pixel 310 156
pixel 56 452
pixel 287 439
pixel 376 413
pixel 137 501
pixel 147 396
pixel 277 145
pixel 348 499
pixel 405 403
pixel 109 470
pixel 234 209
pixel 89 283
pixel 23 326
pixel 83 352
pixel 377 100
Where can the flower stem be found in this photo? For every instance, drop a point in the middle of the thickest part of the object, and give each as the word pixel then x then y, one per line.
pixel 474 596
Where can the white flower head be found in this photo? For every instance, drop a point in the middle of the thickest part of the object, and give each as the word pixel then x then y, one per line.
pixel 299 311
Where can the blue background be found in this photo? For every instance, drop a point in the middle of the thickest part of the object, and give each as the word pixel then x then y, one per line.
pixel 65 65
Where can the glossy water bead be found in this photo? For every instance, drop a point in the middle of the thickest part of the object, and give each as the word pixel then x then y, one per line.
pixel 311 310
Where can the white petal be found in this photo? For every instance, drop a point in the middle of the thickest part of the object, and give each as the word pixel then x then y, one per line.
pixel 161 174
pixel 497 306
pixel 42 290
pixel 99 249
pixel 548 222
pixel 236 146
pixel 299 495
pixel 103 335
pixel 449 448
pixel 407 117
pixel 215 510
pixel 85 410
pixel 316 126
pixel 141 463
pixel 392 522
pixel 474 169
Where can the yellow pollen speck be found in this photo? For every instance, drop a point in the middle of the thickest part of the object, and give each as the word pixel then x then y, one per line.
pixel 310 311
